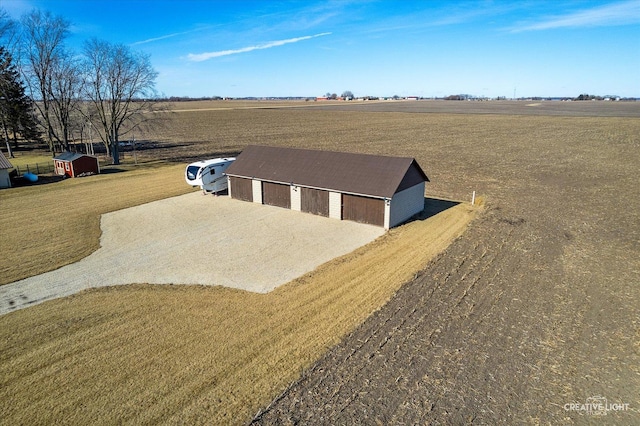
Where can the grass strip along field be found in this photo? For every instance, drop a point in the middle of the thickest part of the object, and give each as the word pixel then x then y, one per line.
pixel 178 354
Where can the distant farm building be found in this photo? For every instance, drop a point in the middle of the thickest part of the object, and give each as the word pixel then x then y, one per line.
pixel 378 190
pixel 73 164
pixel 5 165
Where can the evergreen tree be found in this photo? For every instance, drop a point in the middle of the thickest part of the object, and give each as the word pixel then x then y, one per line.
pixel 16 109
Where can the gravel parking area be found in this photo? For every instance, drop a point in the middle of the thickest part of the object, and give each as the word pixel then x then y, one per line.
pixel 196 239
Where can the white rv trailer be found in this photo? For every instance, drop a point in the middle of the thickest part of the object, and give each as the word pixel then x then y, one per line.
pixel 208 174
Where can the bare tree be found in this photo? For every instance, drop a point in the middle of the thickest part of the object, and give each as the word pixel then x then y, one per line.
pixel 66 84
pixel 43 52
pixel 7 30
pixel 7 83
pixel 120 88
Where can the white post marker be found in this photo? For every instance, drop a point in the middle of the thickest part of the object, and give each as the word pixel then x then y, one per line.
pixel 473 198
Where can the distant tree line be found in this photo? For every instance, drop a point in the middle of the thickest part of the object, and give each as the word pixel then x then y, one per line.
pixel 50 93
pixel 582 97
pixel 462 97
pixel 587 97
pixel 347 94
pixel 188 98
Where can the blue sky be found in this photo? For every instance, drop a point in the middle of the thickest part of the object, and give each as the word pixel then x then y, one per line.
pixel 377 48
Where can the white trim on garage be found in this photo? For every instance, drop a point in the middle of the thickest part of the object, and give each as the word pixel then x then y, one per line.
pixel 256 187
pixel 335 205
pixel 296 198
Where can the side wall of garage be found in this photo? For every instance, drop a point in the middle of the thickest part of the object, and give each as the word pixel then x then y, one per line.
pixel 404 204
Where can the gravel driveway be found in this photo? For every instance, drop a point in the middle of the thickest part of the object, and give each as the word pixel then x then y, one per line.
pixel 196 239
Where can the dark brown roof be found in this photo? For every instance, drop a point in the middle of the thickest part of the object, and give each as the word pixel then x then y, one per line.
pixel 362 174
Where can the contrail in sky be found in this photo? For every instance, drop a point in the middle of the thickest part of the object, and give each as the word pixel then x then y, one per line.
pixel 208 55
pixel 151 40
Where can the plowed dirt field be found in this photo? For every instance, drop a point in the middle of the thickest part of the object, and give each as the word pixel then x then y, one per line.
pixel 529 316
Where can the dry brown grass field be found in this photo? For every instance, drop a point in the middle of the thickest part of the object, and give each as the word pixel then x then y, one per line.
pixel 534 306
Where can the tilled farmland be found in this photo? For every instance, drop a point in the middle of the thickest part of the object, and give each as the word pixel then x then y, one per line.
pixel 526 317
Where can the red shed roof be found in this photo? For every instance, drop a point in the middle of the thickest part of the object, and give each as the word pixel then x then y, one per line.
pixel 362 174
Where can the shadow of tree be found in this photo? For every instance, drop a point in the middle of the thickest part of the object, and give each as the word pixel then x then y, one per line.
pixel 111 170
pixel 42 180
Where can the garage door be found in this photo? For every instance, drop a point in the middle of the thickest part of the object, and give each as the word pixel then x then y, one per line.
pixel 363 209
pixel 241 188
pixel 276 194
pixel 315 201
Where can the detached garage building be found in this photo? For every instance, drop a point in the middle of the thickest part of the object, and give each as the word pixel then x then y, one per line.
pixel 73 164
pixel 373 189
